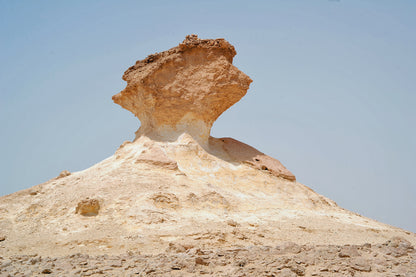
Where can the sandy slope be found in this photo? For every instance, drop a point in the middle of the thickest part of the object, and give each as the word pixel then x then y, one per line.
pixel 176 190
pixel 154 193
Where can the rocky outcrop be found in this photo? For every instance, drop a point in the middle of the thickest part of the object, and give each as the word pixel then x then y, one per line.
pixel 184 89
pixel 178 202
pixel 289 259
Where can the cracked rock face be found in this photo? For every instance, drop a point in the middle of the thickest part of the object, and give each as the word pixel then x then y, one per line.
pixel 184 89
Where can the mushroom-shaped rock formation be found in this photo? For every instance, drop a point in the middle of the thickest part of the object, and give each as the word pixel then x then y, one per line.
pixel 175 188
pixel 184 89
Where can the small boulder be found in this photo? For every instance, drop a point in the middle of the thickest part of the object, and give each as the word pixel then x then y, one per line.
pixel 46 271
pixel 348 251
pixel 165 200
pixel 201 261
pixel 88 207
pixel 360 264
pixel 289 248
pixel 232 223
pixel 64 173
pixel 286 272
pixel 176 248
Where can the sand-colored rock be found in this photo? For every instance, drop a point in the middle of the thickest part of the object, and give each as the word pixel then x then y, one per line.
pixel 145 206
pixel 88 207
pixel 183 89
pixel 188 260
pixel 155 155
pixel 242 152
pixel 64 173
pixel 178 202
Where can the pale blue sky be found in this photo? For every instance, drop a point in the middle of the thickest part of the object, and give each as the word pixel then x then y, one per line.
pixel 333 96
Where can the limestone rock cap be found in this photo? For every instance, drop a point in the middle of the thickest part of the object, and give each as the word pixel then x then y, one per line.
pixel 184 89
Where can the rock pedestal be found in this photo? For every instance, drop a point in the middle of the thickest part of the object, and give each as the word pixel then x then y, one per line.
pixel 177 202
pixel 184 89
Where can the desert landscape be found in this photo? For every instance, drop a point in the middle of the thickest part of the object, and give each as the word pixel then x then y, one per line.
pixel 176 201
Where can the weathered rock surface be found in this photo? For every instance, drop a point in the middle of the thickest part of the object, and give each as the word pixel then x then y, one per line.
pixel 64 173
pixel 188 260
pixel 88 207
pixel 184 89
pixel 180 202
